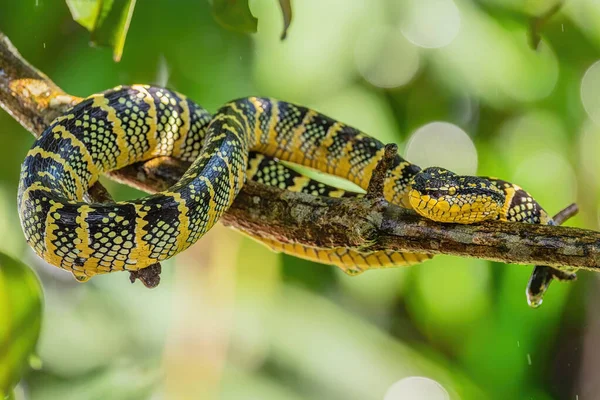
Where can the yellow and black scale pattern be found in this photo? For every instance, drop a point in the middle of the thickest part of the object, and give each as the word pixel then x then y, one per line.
pixel 244 139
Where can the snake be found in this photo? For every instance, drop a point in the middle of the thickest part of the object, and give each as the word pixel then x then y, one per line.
pixel 248 138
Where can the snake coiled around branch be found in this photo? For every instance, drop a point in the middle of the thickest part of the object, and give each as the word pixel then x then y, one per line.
pixel 245 139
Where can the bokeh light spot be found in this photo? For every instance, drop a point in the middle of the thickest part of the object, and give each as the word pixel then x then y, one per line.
pixel 416 388
pixel 385 58
pixel 450 294
pixel 590 87
pixel 443 144
pixel 317 57
pixel 530 133
pixel 544 170
pixel 430 23
pixel 589 148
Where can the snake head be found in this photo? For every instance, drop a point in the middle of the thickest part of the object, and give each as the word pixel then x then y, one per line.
pixel 443 196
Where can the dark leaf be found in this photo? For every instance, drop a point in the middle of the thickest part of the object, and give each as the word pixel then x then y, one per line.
pixel 536 24
pixel 107 20
pixel 286 10
pixel 235 15
pixel 87 12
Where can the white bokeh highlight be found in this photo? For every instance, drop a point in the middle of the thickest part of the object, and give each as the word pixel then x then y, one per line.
pixel 590 92
pixel 442 144
pixel 385 58
pixel 416 388
pixel 430 23
pixel 589 149
pixel 543 170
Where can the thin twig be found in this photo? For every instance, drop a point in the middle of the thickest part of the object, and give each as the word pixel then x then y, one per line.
pixel 567 213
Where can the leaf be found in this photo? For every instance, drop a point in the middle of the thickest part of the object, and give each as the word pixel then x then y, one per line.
pixel 236 15
pixel 107 20
pixel 286 10
pixel 86 12
pixel 112 31
pixel 20 318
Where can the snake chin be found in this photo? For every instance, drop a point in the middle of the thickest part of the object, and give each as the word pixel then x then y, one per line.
pixel 443 196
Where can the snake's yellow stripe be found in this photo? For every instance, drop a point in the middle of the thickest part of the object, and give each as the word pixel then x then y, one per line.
pixel 244 140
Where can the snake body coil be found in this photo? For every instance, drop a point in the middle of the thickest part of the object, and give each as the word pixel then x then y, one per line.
pixel 110 130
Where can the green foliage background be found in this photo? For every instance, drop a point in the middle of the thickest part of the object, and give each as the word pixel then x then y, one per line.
pixel 232 320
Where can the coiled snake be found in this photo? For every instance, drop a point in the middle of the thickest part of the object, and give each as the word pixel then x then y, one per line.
pixel 243 140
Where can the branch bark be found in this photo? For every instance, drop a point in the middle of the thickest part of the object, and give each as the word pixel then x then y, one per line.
pixel 367 223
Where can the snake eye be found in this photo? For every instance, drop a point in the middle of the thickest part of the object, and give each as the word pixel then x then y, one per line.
pixel 452 190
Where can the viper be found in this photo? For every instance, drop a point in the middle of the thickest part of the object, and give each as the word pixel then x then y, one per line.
pixel 245 139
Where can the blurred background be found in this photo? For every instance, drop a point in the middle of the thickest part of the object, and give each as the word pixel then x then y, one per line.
pixel 457 84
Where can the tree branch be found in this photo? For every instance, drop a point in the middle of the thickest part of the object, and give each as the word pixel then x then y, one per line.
pixel 365 223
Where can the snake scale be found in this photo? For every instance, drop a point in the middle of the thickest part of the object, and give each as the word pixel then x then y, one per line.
pixel 243 140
